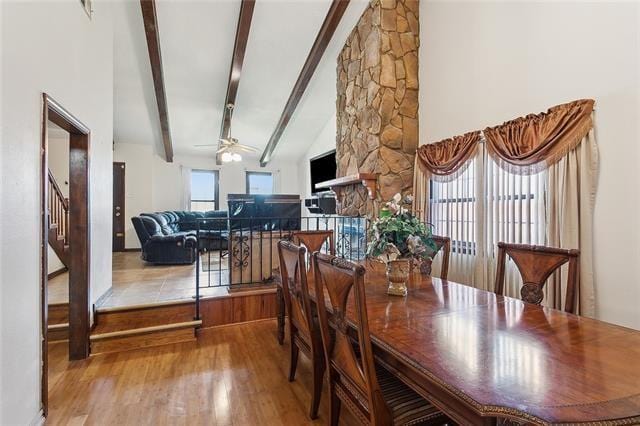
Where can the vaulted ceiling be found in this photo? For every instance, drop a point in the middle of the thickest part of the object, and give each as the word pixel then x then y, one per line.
pixel 197 40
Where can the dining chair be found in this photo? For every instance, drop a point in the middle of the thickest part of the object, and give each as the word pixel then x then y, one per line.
pixel 313 241
pixel 536 264
pixel 371 392
pixel 303 325
pixel 444 244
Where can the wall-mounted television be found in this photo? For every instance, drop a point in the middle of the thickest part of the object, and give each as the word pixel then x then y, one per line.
pixel 323 167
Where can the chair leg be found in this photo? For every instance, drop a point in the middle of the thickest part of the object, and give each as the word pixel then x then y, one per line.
pixel 294 360
pixel 318 373
pixel 334 407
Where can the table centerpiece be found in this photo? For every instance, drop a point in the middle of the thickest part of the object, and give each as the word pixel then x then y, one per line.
pixel 399 239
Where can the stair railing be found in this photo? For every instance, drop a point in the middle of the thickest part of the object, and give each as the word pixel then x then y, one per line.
pixel 58 209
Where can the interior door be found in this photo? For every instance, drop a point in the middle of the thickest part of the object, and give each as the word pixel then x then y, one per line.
pixel 118 206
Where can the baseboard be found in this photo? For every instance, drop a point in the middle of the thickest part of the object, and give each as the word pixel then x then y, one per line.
pixel 38 420
pixel 132 249
pixel 57 272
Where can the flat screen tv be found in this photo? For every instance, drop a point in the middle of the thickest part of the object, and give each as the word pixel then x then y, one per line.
pixel 323 167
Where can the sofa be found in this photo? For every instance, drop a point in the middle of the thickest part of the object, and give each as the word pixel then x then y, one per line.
pixel 170 237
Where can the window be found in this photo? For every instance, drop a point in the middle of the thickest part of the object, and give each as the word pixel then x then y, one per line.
pixel 259 183
pixel 204 190
pixel 482 206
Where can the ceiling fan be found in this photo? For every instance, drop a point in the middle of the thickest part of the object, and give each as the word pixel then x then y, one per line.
pixel 229 147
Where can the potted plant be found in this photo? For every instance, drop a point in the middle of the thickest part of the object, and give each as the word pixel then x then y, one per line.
pixel 399 239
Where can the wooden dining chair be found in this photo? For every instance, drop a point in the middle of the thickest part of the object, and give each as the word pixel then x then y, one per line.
pixel 536 264
pixel 313 241
pixel 372 393
pixel 444 244
pixel 303 325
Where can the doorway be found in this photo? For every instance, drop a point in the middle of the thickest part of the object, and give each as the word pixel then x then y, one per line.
pixel 70 215
pixel 118 206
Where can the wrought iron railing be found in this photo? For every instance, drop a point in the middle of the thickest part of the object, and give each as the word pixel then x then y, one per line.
pixel 242 252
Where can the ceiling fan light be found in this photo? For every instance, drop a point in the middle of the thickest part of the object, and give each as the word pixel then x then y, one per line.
pixel 226 157
pixel 236 157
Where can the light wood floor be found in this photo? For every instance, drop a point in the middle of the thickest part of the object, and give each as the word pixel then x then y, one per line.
pixel 234 375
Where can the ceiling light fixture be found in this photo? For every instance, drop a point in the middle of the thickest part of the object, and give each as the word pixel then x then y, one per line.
pixel 226 157
pixel 236 157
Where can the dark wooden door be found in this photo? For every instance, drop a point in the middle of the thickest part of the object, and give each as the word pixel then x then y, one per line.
pixel 118 206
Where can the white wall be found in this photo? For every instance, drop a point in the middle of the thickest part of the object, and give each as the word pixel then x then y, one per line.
pixel 152 184
pixel 482 63
pixel 58 156
pixel 48 47
pixel 325 141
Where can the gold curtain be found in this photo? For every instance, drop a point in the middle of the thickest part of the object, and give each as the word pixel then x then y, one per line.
pixel 532 143
pixel 441 161
pixel 447 159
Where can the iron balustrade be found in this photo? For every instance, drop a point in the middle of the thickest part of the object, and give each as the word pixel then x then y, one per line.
pixel 242 252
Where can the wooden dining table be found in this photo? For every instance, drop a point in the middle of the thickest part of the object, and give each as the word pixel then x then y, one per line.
pixel 485 359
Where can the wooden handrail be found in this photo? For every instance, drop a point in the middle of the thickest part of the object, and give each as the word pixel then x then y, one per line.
pixel 58 191
pixel 58 209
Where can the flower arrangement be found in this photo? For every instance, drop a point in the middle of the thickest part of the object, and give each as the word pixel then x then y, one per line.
pixel 399 234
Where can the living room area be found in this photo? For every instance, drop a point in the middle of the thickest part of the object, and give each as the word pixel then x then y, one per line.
pixel 182 181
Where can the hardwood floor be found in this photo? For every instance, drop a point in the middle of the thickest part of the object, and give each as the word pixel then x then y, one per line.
pixel 233 375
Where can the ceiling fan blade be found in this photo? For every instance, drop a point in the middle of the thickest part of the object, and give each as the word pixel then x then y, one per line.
pixel 246 148
pixel 223 149
pixel 206 144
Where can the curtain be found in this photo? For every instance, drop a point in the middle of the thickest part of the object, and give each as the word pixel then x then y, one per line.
pixel 532 182
pixel 570 201
pixel 531 144
pixel 185 173
pixel 514 212
pixel 454 211
pixel 442 161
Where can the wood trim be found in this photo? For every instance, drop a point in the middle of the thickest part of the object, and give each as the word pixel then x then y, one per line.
pixel 57 273
pixel 331 21
pixel 368 180
pixel 132 249
pixel 145 330
pixel 44 242
pixel 235 70
pixel 155 58
pixel 79 233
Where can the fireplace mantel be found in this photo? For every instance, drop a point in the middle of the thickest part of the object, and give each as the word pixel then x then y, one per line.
pixel 368 180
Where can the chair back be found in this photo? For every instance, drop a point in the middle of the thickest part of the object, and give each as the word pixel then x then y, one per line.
pixel 294 286
pixel 313 242
pixel 536 264
pixel 444 244
pixel 338 277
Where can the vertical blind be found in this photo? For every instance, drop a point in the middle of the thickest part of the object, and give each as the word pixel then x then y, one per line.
pixel 482 206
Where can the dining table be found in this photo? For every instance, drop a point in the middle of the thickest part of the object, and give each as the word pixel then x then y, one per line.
pixel 486 359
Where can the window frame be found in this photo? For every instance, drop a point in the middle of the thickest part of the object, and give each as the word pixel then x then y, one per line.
pixel 247 175
pixel 216 189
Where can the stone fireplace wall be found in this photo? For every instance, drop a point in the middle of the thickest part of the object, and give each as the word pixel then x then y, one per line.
pixel 377 105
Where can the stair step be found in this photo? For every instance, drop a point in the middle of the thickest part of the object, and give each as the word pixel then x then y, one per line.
pixel 58 332
pixel 144 337
pixel 58 313
pixel 131 317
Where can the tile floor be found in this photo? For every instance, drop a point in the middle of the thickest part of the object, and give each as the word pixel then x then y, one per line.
pixel 135 282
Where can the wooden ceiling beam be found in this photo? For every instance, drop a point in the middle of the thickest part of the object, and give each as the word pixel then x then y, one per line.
pixel 235 70
pixel 331 21
pixel 155 58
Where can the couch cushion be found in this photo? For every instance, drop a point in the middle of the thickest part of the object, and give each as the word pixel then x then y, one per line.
pixel 162 221
pixel 152 227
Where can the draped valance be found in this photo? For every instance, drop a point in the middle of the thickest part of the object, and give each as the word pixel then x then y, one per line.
pixel 532 143
pixel 447 159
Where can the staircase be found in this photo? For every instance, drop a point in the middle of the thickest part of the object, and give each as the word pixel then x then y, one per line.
pixel 58 221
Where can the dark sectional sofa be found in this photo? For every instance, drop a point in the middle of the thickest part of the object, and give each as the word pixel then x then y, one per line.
pixel 170 237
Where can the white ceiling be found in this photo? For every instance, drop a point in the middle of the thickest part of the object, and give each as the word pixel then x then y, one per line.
pixel 196 39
